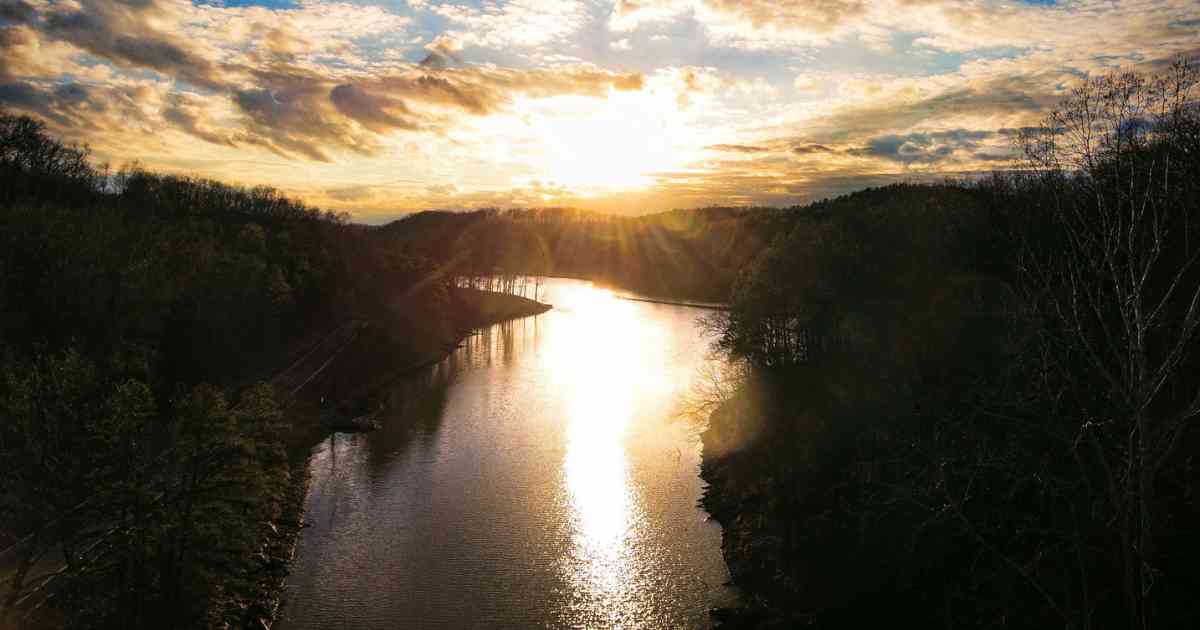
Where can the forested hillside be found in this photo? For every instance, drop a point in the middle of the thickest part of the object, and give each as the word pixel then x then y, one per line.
pixel 147 320
pixel 693 254
pixel 976 406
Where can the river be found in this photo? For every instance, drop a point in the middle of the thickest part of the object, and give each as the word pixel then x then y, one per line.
pixel 539 477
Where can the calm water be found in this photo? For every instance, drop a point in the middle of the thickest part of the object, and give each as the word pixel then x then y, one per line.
pixel 535 478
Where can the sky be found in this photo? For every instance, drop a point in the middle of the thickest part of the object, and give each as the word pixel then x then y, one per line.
pixel 378 108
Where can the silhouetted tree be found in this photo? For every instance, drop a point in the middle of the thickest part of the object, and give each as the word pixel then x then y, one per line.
pixel 1118 278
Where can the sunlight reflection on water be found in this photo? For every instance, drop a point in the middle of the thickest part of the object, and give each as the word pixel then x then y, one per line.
pixel 599 384
pixel 542 483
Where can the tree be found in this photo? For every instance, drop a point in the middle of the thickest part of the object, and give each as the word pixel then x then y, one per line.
pixel 1116 276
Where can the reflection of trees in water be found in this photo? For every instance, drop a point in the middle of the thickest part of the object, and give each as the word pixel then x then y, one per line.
pixel 499 341
pixel 411 412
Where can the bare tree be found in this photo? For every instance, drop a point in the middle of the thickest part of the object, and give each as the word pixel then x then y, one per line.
pixel 1122 283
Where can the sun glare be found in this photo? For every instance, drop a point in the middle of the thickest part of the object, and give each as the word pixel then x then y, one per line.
pixel 592 145
pixel 602 363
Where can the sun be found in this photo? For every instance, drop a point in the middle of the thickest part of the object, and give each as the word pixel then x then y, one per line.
pixel 601 145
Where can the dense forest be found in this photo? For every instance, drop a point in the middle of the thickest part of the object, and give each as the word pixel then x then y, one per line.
pixel 155 330
pixel 682 254
pixel 975 406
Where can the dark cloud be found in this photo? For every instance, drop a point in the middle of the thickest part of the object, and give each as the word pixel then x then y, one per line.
pixel 374 111
pixel 123 32
pixel 1016 132
pixel 993 156
pixel 23 95
pixel 737 148
pixel 443 51
pixel 922 147
pixel 434 61
pixel 1002 96
pixel 810 149
pixel 16 11
pixel 71 93
pixel 59 103
pixel 295 121
pixel 440 90
pixel 43 99
pixel 295 111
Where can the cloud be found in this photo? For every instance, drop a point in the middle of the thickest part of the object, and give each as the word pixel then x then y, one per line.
pixel 124 32
pixel 351 193
pixel 296 120
pixel 946 25
pixel 810 149
pixel 804 83
pixel 193 116
pixel 285 42
pixel 278 93
pixel 443 51
pixel 62 103
pixel 16 11
pixel 924 147
pixel 23 95
pixel 293 111
pixel 749 23
pixel 816 16
pixel 516 23
pixel 737 148
pixel 11 40
pixel 909 104
pixel 377 112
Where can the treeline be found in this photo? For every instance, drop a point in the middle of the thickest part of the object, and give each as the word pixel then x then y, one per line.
pixel 976 405
pixel 683 254
pixel 143 319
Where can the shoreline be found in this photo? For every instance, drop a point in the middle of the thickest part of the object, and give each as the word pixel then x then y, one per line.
pixel 729 499
pixel 626 291
pixel 704 305
pixel 286 529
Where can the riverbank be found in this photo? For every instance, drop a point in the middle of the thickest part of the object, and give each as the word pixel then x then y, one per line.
pixel 377 357
pixel 712 306
pixel 734 465
pixel 468 311
pixel 484 308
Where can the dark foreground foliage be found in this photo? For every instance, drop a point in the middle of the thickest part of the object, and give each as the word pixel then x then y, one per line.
pixel 975 406
pixel 143 319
